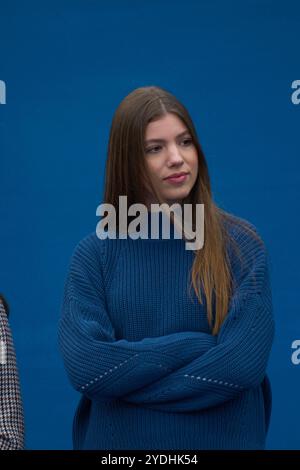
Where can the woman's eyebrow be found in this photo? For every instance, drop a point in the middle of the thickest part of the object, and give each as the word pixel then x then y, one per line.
pixel 163 141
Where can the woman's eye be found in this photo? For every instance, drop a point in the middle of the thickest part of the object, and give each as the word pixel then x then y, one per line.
pixel 187 142
pixel 152 149
pixel 156 149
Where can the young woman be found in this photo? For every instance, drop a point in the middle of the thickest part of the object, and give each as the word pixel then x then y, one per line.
pixel 11 409
pixel 160 365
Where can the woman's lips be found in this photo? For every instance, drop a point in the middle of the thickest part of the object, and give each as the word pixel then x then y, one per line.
pixel 177 179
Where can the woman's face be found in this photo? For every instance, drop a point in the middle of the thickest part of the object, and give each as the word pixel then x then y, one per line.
pixel 169 150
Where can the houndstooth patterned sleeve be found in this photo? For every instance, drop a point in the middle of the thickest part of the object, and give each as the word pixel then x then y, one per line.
pixel 11 407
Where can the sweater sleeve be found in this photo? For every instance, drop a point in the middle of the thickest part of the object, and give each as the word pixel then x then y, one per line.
pixel 99 365
pixel 11 407
pixel 235 363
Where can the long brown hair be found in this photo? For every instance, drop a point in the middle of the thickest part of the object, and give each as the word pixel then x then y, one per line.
pixel 126 174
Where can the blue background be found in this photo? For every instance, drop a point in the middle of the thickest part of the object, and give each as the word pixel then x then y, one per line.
pixel 67 65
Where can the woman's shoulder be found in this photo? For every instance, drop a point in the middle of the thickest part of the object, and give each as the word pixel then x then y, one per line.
pixel 246 249
pixel 90 241
pixel 244 233
pixel 89 249
pixel 94 253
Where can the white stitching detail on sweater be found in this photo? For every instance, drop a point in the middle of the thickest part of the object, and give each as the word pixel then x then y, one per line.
pixel 83 387
pixel 204 379
pixel 220 382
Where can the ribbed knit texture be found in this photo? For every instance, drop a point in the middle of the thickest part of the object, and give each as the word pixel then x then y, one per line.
pixel 137 345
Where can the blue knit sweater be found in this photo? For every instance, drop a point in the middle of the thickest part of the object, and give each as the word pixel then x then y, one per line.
pixel 137 346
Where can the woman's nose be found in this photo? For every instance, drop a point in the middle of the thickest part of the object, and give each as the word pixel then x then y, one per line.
pixel 174 156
